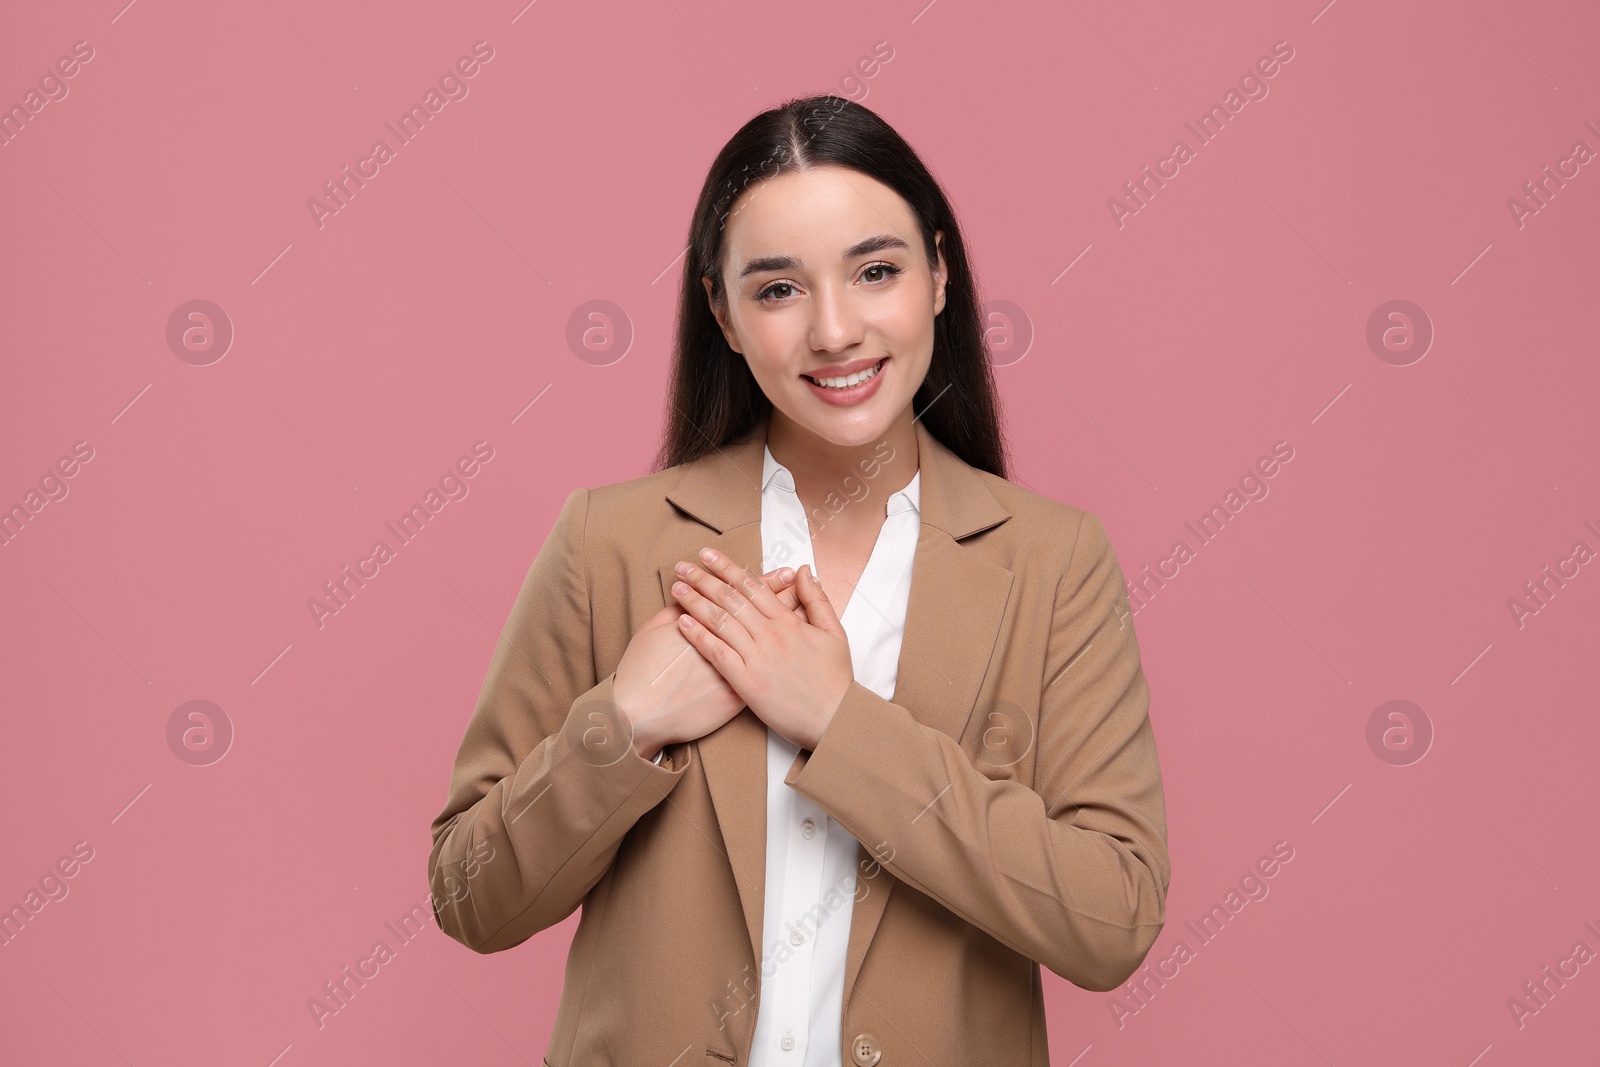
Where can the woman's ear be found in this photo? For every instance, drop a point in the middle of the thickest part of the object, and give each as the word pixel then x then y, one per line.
pixel 941 277
pixel 720 314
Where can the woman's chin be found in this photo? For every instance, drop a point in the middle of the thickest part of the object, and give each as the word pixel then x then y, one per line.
pixel 848 427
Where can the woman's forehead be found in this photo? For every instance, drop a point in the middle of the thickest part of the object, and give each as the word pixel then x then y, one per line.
pixel 815 218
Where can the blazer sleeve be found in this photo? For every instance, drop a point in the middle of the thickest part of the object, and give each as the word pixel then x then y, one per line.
pixel 1072 873
pixel 546 781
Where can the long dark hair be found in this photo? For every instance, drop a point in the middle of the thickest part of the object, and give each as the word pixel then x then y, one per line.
pixel 713 397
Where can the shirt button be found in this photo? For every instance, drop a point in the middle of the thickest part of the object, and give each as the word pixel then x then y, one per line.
pixel 808 828
pixel 787 1041
pixel 796 937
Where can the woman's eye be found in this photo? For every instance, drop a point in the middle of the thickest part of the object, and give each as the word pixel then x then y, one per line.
pixel 771 293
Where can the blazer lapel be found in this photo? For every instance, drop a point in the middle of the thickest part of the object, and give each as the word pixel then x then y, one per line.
pixel 952 620
pixel 722 489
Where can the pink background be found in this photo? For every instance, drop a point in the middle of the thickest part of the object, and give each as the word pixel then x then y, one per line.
pixel 1228 314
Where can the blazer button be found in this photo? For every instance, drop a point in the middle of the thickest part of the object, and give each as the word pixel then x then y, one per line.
pixel 864 1050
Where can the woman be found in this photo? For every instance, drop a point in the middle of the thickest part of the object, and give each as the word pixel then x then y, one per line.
pixel 830 793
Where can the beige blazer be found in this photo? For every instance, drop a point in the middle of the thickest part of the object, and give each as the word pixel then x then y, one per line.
pixel 1008 800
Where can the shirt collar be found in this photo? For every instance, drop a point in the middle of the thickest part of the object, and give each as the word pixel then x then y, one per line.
pixel 775 474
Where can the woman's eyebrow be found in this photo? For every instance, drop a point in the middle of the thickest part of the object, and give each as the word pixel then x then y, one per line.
pixel 861 248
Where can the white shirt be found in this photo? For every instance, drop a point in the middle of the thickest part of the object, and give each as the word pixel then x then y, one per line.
pixel 811 860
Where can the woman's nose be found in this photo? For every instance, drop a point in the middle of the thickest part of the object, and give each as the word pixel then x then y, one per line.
pixel 835 322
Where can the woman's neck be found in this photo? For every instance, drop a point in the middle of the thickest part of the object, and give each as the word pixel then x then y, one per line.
pixel 820 467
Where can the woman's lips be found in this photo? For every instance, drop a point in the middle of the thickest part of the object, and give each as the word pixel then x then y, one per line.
pixel 855 394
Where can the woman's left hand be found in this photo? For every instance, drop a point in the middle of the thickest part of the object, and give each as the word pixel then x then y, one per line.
pixel 792 672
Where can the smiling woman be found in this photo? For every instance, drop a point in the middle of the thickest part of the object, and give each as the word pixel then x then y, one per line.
pixel 820 264
pixel 829 783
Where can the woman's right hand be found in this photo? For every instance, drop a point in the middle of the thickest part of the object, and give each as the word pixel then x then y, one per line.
pixel 666 688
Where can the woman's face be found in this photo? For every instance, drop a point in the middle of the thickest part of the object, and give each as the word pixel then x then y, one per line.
pixel 825 276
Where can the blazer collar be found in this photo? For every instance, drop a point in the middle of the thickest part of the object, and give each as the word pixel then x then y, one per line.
pixel 953 617
pixel 723 488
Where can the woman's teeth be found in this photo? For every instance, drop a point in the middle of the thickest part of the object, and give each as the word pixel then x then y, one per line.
pixel 850 379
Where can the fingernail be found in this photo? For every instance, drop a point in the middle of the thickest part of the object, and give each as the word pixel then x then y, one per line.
pixel 785 575
pixel 709 555
pixel 679 588
pixel 682 567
